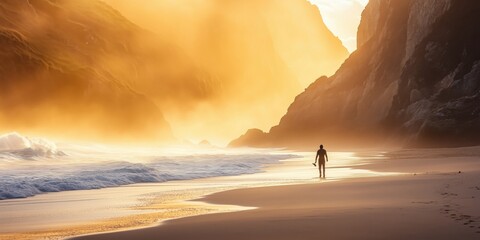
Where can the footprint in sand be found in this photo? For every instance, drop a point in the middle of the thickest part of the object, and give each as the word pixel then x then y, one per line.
pixel 453 210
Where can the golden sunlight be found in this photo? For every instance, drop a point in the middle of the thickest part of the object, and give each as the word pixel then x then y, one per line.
pixel 164 70
pixel 239 119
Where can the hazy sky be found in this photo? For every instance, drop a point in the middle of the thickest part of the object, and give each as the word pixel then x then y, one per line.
pixel 342 17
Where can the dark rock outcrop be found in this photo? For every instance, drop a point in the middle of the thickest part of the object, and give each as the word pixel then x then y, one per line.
pixel 252 138
pixel 414 78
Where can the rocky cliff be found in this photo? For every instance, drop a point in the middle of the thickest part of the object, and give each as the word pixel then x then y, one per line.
pixel 77 69
pixel 414 78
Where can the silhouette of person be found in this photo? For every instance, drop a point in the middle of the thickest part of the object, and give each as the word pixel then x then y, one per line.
pixel 321 156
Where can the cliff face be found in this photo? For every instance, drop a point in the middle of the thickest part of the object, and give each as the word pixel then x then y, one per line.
pixel 413 78
pixel 437 102
pixel 75 69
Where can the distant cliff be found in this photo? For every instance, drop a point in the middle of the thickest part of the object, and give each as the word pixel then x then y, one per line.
pixel 262 54
pixel 415 79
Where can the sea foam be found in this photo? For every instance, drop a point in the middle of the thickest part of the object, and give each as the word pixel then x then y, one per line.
pixel 82 168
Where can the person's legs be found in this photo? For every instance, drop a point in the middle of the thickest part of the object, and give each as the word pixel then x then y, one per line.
pixel 320 169
pixel 322 166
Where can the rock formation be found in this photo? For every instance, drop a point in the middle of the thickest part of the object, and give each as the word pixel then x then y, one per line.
pixel 415 78
pixel 73 69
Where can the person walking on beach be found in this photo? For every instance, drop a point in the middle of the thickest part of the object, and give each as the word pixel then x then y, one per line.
pixel 321 156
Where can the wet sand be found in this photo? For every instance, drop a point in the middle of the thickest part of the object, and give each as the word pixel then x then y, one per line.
pixel 437 197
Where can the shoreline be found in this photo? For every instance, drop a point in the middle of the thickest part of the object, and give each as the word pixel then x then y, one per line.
pixel 153 208
pixel 438 198
pixel 149 205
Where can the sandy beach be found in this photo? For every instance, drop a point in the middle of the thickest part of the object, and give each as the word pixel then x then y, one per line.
pixel 58 215
pixel 437 197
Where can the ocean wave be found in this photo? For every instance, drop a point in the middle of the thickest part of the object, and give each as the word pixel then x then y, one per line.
pixel 16 146
pixel 28 181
